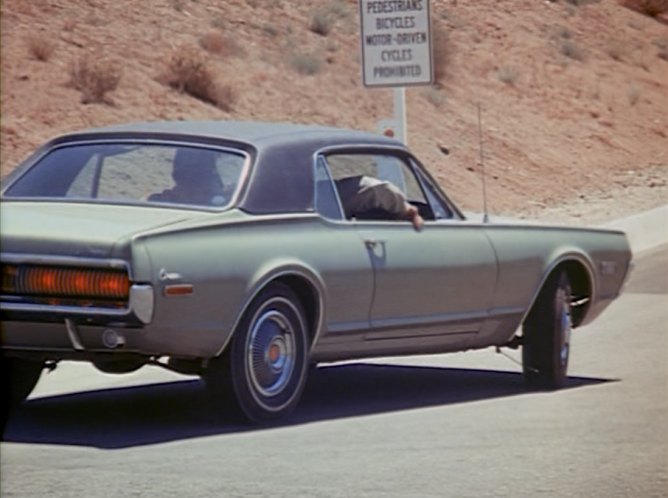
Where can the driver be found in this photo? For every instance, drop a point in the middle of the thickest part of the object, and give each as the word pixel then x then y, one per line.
pixel 365 197
pixel 196 179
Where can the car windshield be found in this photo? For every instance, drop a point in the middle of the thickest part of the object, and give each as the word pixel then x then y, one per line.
pixel 134 173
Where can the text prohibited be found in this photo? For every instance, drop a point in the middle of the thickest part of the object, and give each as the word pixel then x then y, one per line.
pixel 396 42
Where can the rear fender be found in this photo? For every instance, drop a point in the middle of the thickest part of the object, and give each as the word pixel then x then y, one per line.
pixel 577 265
pixel 281 271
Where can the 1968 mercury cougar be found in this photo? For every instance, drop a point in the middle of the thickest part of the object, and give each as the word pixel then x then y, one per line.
pixel 223 249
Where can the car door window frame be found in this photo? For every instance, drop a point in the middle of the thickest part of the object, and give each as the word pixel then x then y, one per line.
pixel 431 193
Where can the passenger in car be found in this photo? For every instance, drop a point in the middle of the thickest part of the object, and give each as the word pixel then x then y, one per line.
pixel 365 197
pixel 196 179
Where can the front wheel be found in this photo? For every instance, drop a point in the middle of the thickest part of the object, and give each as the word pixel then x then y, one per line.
pixel 547 335
pixel 263 371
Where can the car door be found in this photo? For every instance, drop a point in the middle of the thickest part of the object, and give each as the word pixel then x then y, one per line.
pixel 344 265
pixel 429 284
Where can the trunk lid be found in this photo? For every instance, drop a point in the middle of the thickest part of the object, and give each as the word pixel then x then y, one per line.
pixel 79 229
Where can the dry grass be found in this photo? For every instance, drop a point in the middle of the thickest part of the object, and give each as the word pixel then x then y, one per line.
pixel 652 8
pixel 94 78
pixel 188 71
pixel 40 47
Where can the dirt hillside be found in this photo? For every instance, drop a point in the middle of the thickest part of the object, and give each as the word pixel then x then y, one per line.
pixel 574 93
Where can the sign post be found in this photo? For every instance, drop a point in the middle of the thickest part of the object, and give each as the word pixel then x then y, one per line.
pixel 396 49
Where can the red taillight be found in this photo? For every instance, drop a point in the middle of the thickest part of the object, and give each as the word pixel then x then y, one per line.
pixel 65 282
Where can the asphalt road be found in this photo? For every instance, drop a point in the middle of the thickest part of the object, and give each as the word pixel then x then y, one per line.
pixel 444 426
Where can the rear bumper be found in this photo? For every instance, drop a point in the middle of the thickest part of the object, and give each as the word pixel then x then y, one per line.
pixel 60 340
pixel 138 312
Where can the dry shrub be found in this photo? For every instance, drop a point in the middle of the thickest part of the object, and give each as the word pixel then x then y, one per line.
pixel 94 78
pixel 216 43
pixel 633 94
pixel 40 47
pixel 188 72
pixel 509 75
pixel 572 50
pixel 69 25
pixel 306 63
pixel 213 42
pixel 434 95
pixel 322 22
pixel 323 19
pixel 442 54
pixel 652 8
pixel 616 50
pixel 270 30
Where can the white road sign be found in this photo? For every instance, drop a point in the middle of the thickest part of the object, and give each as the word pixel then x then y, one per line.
pixel 396 42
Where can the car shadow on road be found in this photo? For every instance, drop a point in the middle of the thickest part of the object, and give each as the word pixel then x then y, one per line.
pixel 159 413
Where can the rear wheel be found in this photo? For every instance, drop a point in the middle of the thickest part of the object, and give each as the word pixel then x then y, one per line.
pixel 263 371
pixel 547 335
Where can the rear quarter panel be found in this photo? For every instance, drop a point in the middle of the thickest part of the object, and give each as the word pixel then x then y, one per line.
pixel 228 264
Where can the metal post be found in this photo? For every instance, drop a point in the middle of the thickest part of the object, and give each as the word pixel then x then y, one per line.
pixel 400 114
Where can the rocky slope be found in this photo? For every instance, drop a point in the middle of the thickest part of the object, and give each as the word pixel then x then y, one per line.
pixel 574 94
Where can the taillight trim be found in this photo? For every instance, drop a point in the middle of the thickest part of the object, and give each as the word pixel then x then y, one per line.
pixel 136 307
pixel 69 261
pixel 50 281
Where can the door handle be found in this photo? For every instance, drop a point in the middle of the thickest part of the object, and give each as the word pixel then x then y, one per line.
pixel 372 243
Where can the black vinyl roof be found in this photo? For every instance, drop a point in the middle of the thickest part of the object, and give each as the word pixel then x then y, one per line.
pixel 281 177
pixel 256 133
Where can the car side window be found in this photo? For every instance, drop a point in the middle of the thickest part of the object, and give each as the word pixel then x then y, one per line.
pixel 357 174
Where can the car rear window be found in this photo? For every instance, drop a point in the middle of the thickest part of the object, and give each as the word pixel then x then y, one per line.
pixel 135 173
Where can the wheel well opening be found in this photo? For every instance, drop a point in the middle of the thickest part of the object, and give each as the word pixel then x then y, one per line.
pixel 307 295
pixel 581 291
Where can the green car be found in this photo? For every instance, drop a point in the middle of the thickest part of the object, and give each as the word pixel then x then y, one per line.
pixel 228 250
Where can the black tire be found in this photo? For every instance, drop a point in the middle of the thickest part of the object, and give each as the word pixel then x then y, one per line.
pixel 547 335
pixel 262 373
pixel 19 377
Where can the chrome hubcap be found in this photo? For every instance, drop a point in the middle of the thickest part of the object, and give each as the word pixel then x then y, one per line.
pixel 271 353
pixel 566 328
